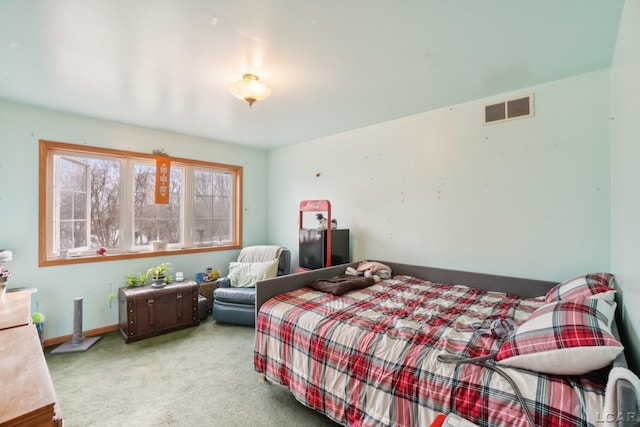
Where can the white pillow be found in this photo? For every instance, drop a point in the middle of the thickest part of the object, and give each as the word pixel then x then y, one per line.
pixel 246 274
pixel 564 338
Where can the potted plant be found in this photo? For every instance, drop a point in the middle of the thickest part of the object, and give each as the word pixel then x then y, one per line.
pixel 160 274
pixel 135 280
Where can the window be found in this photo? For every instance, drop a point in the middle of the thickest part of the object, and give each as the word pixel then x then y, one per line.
pixel 96 197
pixel 156 222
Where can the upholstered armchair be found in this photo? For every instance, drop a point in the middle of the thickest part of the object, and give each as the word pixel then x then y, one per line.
pixel 234 299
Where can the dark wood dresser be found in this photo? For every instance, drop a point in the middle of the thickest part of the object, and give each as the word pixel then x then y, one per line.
pixel 148 311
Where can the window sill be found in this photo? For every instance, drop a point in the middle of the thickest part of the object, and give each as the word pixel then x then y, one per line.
pixel 118 257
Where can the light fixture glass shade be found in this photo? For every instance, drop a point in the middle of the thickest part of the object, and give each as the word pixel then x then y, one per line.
pixel 250 89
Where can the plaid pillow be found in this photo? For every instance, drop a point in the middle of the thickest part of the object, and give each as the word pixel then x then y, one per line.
pixel 564 338
pixel 596 285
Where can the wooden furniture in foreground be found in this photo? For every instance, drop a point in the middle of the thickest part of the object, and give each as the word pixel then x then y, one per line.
pixel 147 311
pixel 28 397
pixel 15 309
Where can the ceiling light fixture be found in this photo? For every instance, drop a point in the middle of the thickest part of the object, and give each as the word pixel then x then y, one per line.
pixel 250 89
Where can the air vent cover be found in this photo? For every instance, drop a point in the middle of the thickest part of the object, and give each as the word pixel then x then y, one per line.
pixel 510 109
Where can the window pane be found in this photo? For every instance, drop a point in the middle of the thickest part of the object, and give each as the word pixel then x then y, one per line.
pixel 72 192
pixel 79 205
pixel 105 203
pixel 169 231
pixel 223 184
pixel 73 173
pixel 171 210
pixel 79 234
pixel 221 231
pixel 203 183
pixel 151 221
pixel 145 232
pixel 66 205
pixel 203 231
pixel 89 197
pixel 175 189
pixel 203 206
pixel 66 235
pixel 212 207
pixel 222 207
pixel 73 234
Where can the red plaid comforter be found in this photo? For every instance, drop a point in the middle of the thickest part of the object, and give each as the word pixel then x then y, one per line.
pixel 368 358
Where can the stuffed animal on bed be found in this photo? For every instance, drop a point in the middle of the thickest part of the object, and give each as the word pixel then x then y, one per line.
pixel 374 269
pixel 322 222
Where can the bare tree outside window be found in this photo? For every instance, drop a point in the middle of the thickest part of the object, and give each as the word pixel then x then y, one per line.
pixel 105 203
pixel 151 221
pixel 89 202
pixel 100 197
pixel 212 207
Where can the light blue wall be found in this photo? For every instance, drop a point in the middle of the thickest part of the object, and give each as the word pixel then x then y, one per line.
pixel 21 128
pixel 625 149
pixel 530 197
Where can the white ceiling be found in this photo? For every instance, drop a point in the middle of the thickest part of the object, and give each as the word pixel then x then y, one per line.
pixel 333 65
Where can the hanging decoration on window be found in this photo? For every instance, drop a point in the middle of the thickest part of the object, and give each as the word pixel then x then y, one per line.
pixel 163 169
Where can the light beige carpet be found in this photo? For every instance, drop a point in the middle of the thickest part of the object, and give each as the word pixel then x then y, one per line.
pixel 200 376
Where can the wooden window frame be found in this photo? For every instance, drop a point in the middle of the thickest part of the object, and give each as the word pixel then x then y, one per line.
pixel 45 205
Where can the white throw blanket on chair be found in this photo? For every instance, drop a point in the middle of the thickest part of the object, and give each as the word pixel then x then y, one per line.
pixel 610 415
pixel 260 253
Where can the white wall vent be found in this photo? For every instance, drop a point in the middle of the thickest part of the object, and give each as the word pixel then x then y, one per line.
pixel 510 109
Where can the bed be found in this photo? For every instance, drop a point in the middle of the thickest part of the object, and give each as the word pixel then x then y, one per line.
pixel 403 350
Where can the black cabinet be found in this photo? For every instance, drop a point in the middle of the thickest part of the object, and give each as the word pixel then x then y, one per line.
pixel 313 248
